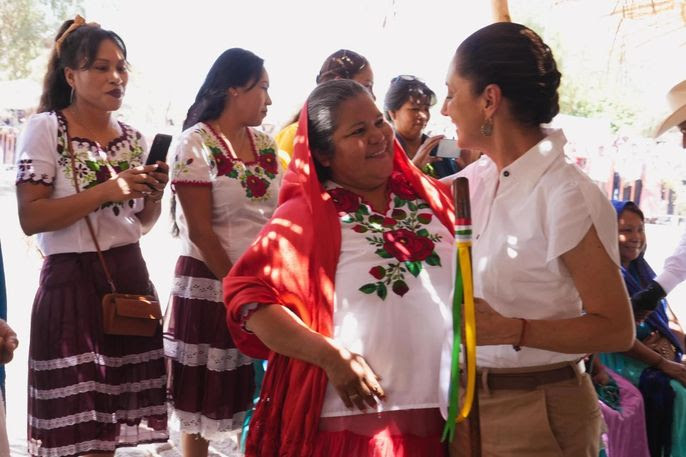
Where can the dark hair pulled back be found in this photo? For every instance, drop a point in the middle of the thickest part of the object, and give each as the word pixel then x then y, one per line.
pixel 78 51
pixel 323 106
pixel 235 67
pixel 404 88
pixel 516 59
pixel 342 64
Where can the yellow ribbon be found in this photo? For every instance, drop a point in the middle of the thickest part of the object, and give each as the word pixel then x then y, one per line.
pixel 469 326
pixel 78 22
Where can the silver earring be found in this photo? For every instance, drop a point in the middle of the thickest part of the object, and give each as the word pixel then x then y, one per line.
pixel 71 96
pixel 487 127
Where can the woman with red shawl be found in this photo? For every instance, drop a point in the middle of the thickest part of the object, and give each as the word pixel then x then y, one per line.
pixel 347 292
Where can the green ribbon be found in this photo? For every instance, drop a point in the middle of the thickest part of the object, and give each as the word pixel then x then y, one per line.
pixel 454 391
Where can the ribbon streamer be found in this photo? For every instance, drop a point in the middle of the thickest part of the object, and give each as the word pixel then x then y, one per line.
pixel 463 304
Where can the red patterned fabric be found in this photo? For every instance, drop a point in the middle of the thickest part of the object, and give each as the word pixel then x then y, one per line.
pixel 293 263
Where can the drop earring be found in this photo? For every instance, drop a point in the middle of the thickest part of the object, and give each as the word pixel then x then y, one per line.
pixel 487 127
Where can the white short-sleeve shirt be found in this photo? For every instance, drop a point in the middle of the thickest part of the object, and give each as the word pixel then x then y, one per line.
pixel 44 159
pixel 244 194
pixel 524 218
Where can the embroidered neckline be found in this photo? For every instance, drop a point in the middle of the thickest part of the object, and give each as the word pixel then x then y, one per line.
pixel 401 240
pixel 227 150
pixel 125 134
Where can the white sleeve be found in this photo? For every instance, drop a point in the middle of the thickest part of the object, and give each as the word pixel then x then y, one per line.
pixel 573 208
pixel 37 150
pixel 674 271
pixel 191 164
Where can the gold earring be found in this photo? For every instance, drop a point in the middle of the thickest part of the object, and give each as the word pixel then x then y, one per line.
pixel 487 127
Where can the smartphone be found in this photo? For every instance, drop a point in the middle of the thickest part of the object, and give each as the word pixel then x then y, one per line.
pixel 159 148
pixel 447 147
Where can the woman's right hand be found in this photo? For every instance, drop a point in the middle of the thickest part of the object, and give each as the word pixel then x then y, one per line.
pixel 422 157
pixel 354 380
pixel 132 183
pixel 674 370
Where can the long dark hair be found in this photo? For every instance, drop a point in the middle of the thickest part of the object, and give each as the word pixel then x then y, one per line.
pixel 77 51
pixel 516 59
pixel 235 67
pixel 322 117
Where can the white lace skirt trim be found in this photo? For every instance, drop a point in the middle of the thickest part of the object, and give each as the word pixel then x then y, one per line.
pixel 93 386
pixel 198 288
pixel 88 416
pixel 98 359
pixel 215 359
pixel 210 429
pixel 129 435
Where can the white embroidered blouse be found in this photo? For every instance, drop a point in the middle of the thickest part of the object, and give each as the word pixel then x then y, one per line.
pixel 43 159
pixel 392 301
pixel 244 194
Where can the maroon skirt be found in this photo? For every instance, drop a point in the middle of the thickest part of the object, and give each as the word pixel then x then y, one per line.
pixel 211 382
pixel 89 391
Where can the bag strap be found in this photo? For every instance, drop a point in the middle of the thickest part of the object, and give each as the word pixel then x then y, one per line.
pixel 88 221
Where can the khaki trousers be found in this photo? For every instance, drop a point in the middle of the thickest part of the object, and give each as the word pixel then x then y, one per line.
pixel 560 419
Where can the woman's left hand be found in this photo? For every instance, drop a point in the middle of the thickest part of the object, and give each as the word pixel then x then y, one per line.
pixel 494 328
pixel 161 174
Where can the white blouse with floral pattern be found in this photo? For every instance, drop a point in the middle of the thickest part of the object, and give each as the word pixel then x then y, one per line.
pixel 244 194
pixel 392 302
pixel 43 159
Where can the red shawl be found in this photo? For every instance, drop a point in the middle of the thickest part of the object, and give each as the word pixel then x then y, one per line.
pixel 293 263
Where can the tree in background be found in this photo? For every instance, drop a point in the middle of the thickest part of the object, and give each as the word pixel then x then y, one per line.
pixel 26 28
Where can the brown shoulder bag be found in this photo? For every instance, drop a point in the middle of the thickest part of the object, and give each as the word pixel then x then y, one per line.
pixel 122 314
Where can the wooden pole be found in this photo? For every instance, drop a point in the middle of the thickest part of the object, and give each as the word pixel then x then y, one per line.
pixel 501 12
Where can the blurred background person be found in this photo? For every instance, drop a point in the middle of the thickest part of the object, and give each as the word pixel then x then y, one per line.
pixel 653 363
pixel 226 177
pixel 342 64
pixel 110 388
pixel 407 106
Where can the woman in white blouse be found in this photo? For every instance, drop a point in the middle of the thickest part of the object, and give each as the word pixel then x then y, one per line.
pixel 88 392
pixel 545 252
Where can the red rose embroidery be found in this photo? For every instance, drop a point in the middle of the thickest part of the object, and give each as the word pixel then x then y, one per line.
pixel 268 163
pixel 256 186
pixel 377 272
pixel 405 245
pixel 345 201
pixel 401 187
pixel 424 218
pixel 224 166
pixel 400 288
pixel 389 222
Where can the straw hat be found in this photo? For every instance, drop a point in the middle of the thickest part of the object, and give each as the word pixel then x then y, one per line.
pixel 676 99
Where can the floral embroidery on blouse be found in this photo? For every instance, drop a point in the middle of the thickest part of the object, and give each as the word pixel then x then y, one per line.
pixel 95 165
pixel 401 238
pixel 255 177
pixel 26 173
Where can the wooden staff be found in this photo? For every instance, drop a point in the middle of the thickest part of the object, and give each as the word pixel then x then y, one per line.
pixel 463 239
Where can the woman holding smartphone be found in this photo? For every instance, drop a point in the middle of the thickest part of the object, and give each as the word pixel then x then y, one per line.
pixel 88 392
pixel 226 178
